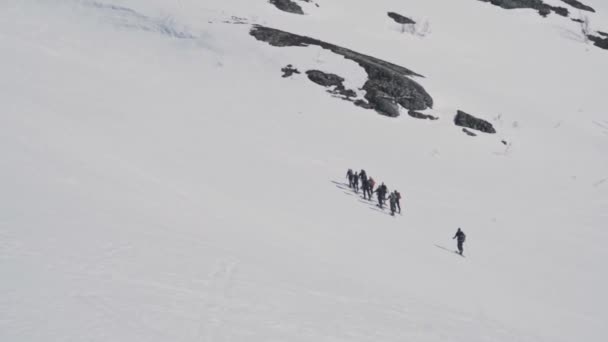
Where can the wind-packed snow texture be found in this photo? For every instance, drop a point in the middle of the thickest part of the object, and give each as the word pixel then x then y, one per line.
pixel 160 180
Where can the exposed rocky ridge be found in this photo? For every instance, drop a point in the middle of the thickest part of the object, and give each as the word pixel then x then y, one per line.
pixel 382 103
pixel 423 116
pixel 399 19
pixel 287 6
pixel 331 80
pixel 363 104
pixel 325 79
pixel 463 119
pixel 599 41
pixel 289 70
pixel 579 5
pixel 388 84
pixel 545 9
pixel 542 8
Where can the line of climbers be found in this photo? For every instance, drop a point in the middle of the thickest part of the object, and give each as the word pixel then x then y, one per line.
pixel 367 186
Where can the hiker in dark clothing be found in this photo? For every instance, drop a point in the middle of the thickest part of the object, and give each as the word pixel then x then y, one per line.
pixel 392 198
pixel 398 200
pixel 381 193
pixel 363 178
pixel 379 196
pixel 365 187
pixel 349 176
pixel 356 182
pixel 461 237
pixel 370 189
pixel 384 191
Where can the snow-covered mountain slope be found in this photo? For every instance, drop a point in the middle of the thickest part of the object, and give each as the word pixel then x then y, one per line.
pixel 162 182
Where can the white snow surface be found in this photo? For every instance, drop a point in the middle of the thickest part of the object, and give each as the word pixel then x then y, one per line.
pixel 160 180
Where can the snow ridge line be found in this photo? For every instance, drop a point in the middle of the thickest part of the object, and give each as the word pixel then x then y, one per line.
pixel 132 19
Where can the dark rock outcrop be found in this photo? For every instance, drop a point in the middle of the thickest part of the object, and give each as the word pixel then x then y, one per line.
pixel 603 34
pixel 325 79
pixel 289 70
pixel 599 41
pixel 348 93
pixel 577 20
pixel 463 119
pixel 538 5
pixel 386 81
pixel 419 115
pixel 363 104
pixel 399 19
pixel 579 5
pixel 287 6
pixel 331 80
pixel 383 103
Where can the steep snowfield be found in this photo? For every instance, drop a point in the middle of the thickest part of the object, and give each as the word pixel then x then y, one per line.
pixel 161 182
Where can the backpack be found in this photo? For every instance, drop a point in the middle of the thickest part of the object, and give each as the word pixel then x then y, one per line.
pixel 461 237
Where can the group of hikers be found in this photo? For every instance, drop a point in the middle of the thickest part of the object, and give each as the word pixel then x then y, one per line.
pixel 367 186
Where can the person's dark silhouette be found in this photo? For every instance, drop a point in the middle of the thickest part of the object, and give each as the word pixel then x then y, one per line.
pixel 392 198
pixel 370 189
pixel 381 193
pixel 349 176
pixel 398 200
pixel 461 238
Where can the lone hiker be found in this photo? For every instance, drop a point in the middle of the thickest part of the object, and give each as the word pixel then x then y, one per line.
pixel 349 176
pixel 461 237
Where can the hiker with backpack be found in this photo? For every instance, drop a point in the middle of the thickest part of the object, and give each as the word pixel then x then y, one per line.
pixel 364 183
pixel 349 176
pixel 398 200
pixel 461 238
pixel 370 187
pixel 356 181
pixel 365 187
pixel 392 198
pixel 381 194
pixel 362 175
